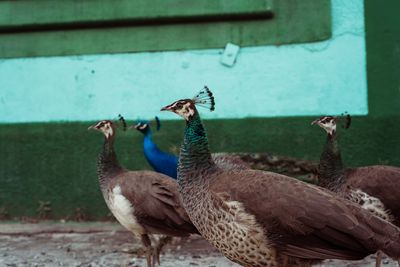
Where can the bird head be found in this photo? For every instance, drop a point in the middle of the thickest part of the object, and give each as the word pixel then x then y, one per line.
pixel 328 123
pixel 186 108
pixel 142 126
pixel 107 127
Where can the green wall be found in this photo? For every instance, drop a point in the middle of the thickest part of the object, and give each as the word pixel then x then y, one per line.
pixel 382 24
pixel 57 162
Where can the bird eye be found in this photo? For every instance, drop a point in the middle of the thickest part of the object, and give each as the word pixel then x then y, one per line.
pixel 179 105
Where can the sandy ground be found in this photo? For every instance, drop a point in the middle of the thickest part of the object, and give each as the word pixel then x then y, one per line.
pixel 107 244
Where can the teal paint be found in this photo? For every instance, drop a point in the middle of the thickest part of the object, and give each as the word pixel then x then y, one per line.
pixel 289 80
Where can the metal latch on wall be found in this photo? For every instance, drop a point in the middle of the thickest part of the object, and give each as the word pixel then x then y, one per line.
pixel 230 54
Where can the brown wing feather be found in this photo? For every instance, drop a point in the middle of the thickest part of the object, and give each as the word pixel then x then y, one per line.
pixel 156 202
pixel 303 220
pixel 228 161
pixel 380 181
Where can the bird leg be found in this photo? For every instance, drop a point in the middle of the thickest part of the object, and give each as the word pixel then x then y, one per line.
pixel 160 245
pixel 149 250
pixel 378 258
pixel 285 261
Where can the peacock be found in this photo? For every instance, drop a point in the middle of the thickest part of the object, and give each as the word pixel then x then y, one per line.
pixel 167 163
pixel 375 188
pixel 144 202
pixel 258 218
pixel 159 160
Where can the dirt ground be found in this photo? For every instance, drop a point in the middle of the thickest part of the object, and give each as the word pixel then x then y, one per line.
pixel 107 244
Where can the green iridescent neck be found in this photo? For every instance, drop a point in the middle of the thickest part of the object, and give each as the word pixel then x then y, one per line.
pixel 195 154
pixel 331 167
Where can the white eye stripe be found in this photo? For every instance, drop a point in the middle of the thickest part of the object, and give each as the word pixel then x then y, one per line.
pixel 108 130
pixel 180 103
pixel 99 124
pixel 326 120
pixel 186 111
pixel 105 127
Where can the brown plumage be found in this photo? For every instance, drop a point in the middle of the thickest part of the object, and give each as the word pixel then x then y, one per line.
pixel 258 218
pixel 374 187
pixel 144 202
pixel 302 220
pixel 382 182
pixel 155 200
pixel 228 161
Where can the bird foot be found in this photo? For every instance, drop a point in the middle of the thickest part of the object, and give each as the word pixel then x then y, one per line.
pixel 160 245
pixel 378 258
pixel 150 256
pixel 149 250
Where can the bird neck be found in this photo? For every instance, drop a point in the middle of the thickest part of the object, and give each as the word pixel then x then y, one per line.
pixel 107 165
pixel 148 133
pixel 331 170
pixel 195 156
pixel 148 140
pixel 150 149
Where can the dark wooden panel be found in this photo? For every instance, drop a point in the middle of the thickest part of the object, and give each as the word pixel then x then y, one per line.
pixel 292 22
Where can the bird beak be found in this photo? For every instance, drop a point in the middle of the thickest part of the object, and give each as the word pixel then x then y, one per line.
pixel 93 127
pixel 166 108
pixel 315 122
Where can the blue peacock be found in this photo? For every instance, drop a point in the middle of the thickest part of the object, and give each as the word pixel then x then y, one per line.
pixel 159 160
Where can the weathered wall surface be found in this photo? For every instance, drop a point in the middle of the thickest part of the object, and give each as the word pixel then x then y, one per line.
pixel 284 87
pixel 383 48
pixel 288 80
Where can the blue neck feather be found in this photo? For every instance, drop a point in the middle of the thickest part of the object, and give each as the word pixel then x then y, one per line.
pixel 160 161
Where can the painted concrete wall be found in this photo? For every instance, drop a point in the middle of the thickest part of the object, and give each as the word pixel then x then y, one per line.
pixel 308 79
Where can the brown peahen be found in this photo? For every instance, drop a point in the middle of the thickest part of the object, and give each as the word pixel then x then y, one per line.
pixel 374 188
pixel 144 202
pixel 258 218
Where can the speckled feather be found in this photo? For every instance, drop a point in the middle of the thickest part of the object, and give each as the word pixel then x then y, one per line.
pixel 376 184
pixel 304 221
pixel 382 182
pixel 265 219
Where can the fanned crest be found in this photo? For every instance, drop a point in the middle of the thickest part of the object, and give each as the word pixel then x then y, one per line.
pixel 122 120
pixel 205 99
pixel 347 124
pixel 158 123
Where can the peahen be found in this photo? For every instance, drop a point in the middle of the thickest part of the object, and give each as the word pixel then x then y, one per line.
pixel 258 218
pixel 375 188
pixel 167 163
pixel 144 202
